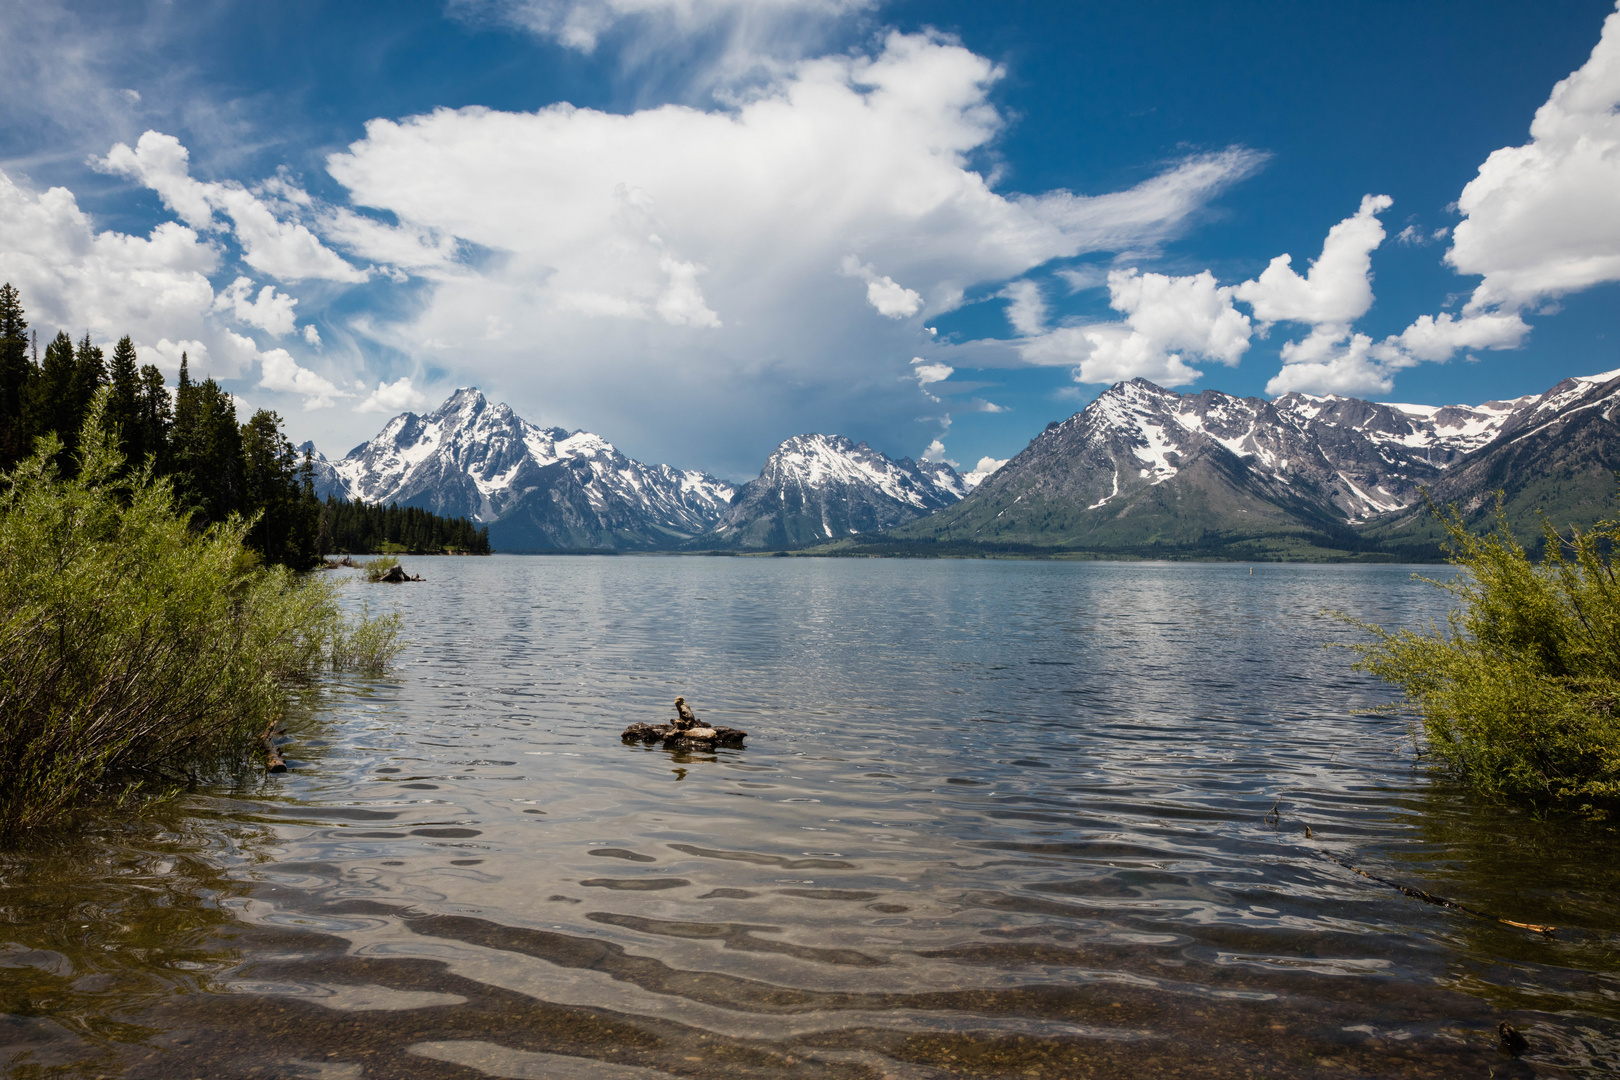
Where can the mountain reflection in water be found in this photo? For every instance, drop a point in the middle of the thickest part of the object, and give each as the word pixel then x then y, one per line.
pixel 993 819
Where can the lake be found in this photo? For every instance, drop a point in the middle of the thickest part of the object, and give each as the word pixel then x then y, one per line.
pixel 993 818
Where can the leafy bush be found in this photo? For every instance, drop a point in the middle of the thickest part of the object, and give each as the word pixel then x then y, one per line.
pixel 135 653
pixel 369 645
pixel 1521 694
pixel 376 568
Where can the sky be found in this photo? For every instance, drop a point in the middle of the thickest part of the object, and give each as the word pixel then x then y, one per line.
pixel 699 227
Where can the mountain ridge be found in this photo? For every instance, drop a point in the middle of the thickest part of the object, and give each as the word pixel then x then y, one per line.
pixel 542 489
pixel 1139 470
pixel 536 488
pixel 1145 470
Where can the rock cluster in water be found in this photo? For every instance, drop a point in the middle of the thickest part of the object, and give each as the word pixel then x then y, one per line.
pixel 685 732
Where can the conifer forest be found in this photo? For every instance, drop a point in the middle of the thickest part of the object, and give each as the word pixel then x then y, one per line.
pixel 219 466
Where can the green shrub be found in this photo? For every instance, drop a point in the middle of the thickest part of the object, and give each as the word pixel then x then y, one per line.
pixel 1520 694
pixel 136 654
pixel 369 645
pixel 376 568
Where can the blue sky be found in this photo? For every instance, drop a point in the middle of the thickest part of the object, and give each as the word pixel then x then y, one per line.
pixel 697 227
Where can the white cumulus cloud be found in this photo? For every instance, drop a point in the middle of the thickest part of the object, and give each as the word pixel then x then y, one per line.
pixel 395 397
pixel 982 471
pixel 280 372
pixel 1168 320
pixel 285 250
pixel 1543 219
pixel 1337 289
pixel 1439 337
pixel 927 373
pixel 1328 364
pixel 889 297
pixel 270 310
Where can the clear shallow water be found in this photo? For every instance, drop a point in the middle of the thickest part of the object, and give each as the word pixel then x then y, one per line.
pixel 993 819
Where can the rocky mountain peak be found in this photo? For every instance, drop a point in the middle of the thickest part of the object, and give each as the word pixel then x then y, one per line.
pixel 815 488
pixel 535 487
pixel 466 400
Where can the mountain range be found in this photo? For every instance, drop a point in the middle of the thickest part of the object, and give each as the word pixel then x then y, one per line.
pixel 1149 471
pixel 1141 470
pixel 548 489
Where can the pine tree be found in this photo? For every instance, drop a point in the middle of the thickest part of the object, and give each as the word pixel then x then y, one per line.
pixel 182 435
pixel 207 449
pixel 15 375
pixel 89 375
pixel 154 417
pixel 280 491
pixel 51 405
pixel 122 417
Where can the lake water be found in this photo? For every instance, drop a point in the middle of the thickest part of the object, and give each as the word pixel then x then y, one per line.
pixel 1010 819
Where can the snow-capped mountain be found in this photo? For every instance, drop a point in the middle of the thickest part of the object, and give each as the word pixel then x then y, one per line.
pixel 816 488
pixel 537 488
pixel 1554 460
pixel 1142 465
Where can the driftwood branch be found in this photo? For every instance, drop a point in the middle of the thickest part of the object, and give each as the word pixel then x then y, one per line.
pixel 1274 818
pixel 273 761
pixel 1431 898
pixel 686 732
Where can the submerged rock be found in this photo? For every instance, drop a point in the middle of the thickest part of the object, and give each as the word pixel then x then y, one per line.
pixel 647 732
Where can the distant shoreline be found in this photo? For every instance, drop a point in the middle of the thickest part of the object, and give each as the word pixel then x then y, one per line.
pixel 1369 559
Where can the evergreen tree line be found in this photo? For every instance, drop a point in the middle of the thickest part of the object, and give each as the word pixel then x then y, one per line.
pixel 358 527
pixel 218 466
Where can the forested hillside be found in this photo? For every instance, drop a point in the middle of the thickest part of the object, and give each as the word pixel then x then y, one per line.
pixel 358 528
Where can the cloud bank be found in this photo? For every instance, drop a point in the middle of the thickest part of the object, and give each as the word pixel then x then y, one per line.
pixel 780 254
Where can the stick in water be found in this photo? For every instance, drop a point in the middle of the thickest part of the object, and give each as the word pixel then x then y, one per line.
pixel 273 761
pixel 1430 898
